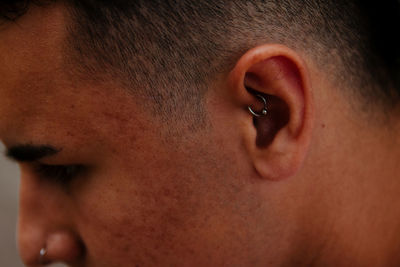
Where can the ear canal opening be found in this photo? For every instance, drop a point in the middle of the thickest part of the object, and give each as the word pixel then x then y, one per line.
pixel 276 118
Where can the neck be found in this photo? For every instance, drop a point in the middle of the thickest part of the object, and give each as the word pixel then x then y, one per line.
pixel 358 208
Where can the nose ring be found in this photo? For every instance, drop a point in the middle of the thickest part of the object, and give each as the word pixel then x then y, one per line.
pixel 263 112
pixel 42 254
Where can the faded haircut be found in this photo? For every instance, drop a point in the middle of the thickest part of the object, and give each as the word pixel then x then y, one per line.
pixel 169 51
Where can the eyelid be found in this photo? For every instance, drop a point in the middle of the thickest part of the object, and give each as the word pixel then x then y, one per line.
pixel 58 173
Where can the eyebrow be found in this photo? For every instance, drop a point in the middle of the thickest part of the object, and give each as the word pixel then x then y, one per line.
pixel 29 153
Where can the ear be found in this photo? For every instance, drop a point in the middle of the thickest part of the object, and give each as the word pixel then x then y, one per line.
pixel 277 143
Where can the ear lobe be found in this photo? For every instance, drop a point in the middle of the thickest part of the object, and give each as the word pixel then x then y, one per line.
pixel 278 142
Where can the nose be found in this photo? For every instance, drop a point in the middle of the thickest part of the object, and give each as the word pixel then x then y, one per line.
pixel 46 231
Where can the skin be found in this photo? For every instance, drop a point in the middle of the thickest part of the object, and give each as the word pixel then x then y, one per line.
pixel 314 183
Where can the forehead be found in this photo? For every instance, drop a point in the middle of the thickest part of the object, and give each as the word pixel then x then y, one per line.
pixel 38 99
pixel 28 54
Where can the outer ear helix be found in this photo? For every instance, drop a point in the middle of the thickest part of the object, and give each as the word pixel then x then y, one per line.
pixel 263 112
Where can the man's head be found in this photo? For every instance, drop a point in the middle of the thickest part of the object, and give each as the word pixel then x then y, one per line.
pixel 185 44
pixel 130 123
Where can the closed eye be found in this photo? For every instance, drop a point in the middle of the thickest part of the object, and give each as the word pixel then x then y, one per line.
pixel 58 173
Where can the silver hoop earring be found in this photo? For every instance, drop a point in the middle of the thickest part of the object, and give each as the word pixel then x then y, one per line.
pixel 263 112
pixel 42 254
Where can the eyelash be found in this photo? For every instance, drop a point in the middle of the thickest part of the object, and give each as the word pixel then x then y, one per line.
pixel 59 173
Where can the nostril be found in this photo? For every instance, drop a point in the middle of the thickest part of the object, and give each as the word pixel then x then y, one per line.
pixel 64 247
pixel 60 246
pixel 30 242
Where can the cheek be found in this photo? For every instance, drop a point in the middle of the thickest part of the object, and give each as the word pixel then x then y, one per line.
pixel 155 210
pixel 139 217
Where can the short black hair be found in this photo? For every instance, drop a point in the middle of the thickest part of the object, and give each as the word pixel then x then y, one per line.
pixel 168 50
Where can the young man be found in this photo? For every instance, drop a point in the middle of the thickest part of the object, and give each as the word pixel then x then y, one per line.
pixel 203 133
